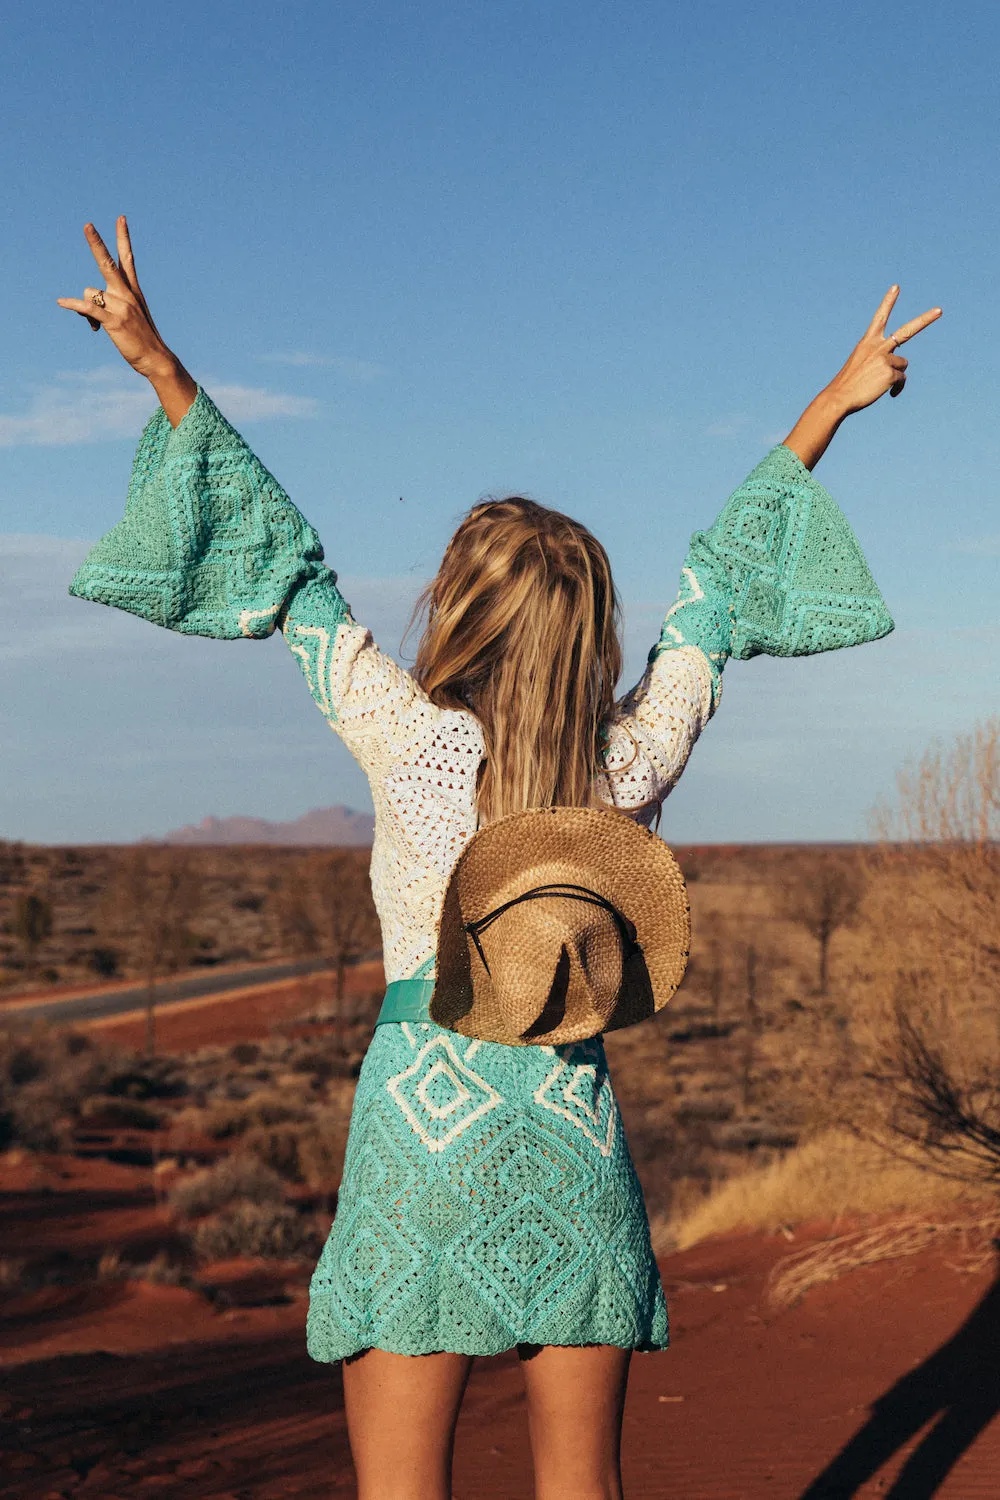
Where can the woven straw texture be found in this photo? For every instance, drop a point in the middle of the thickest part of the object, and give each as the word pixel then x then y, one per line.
pixel 488 1195
pixel 556 970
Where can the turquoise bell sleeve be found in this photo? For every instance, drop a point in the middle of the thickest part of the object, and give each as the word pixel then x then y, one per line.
pixel 779 573
pixel 209 544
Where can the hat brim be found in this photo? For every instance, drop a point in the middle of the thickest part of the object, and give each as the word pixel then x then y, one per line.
pixel 599 848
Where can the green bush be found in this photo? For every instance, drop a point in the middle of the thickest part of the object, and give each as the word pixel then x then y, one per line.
pixel 226 1118
pixel 112 1113
pixel 321 1151
pixel 277 1146
pixel 234 1179
pixel 266 1230
pixel 244 1053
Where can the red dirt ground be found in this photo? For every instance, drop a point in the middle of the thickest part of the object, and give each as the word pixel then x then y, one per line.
pixel 240 1016
pixel 113 1389
pixel 124 1389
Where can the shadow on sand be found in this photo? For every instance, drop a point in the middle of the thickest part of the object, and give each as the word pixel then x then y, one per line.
pixel 959 1385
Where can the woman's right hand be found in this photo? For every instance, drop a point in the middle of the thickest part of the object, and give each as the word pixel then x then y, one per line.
pixel 123 313
pixel 124 316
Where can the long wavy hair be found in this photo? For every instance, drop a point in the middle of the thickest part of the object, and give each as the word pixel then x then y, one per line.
pixel 523 627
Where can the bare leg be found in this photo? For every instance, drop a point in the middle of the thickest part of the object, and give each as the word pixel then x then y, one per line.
pixel 576 1399
pixel 401 1416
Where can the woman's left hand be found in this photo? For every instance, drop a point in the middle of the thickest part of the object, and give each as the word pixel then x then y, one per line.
pixel 873 366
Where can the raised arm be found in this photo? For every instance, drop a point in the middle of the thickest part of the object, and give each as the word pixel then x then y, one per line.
pixel 122 311
pixel 210 544
pixel 779 573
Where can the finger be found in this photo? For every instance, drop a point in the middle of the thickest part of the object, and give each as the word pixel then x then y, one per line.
pixel 898 362
pixel 87 309
pixel 885 307
pixel 126 260
pixel 107 294
pixel 103 256
pixel 896 389
pixel 916 325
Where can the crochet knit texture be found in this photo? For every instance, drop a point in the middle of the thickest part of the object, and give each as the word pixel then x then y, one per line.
pixel 488 1195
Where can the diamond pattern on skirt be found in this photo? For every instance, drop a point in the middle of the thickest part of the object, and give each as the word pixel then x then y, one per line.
pixel 581 1093
pixel 439 1096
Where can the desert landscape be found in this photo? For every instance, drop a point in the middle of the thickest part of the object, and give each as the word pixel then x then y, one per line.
pixel 815 1119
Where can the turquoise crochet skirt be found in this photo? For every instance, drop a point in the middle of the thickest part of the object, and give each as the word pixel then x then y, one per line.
pixel 488 1199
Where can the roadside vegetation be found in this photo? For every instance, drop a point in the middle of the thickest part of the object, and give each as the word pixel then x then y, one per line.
pixel 900 1113
pixel 833 1055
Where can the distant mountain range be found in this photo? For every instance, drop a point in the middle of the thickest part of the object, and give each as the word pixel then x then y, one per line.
pixel 324 825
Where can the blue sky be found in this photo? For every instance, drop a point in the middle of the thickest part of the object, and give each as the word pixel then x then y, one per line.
pixel 603 254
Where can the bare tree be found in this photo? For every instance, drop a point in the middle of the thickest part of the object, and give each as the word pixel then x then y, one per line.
pixel 31 924
pixel 344 912
pixel 822 899
pixel 153 902
pixel 933 960
pixel 753 1024
pixel 326 907
pixel 291 910
pixel 945 824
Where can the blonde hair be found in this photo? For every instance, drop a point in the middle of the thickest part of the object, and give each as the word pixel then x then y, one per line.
pixel 523 626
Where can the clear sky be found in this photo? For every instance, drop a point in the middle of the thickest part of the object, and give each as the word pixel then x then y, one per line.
pixel 602 253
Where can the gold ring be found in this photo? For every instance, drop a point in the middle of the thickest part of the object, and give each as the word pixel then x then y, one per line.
pixel 98 299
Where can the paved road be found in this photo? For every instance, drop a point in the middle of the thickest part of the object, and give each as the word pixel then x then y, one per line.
pixel 103 1003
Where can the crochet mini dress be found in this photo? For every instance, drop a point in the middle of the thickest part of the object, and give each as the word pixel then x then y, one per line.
pixel 488 1195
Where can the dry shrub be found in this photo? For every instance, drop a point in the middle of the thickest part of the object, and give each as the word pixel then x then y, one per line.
pixel 267 1230
pixel 45 1073
pixel 796 1274
pixel 11 1274
pixel 51 1077
pixel 111 1267
pixel 926 1027
pixel 226 1118
pixel 321 1150
pixel 310 1151
pixel 38 1117
pixel 117 1113
pixel 277 1146
pixel 831 1176
pixel 160 1271
pixel 234 1179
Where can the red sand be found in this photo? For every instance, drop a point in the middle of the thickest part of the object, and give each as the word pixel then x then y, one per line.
pixel 124 1389
pixel 239 1016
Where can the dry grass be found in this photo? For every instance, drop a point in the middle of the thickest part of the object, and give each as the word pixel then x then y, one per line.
pixel 796 1274
pixel 833 1176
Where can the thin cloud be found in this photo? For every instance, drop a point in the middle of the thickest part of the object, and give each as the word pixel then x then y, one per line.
pixel 105 404
pixel 728 427
pixel 361 371
pixel 982 546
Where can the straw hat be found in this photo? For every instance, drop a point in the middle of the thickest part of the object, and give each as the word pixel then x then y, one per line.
pixel 560 923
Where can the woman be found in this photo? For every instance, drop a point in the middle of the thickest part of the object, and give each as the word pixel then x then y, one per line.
pixel 488 1199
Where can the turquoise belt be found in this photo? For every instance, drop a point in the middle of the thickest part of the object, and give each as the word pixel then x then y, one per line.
pixel 406 1000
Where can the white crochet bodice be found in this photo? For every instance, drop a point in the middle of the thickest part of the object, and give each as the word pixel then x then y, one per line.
pixel 422 763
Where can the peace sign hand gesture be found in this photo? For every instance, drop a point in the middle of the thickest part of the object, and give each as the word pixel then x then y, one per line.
pixel 122 311
pixel 120 308
pixel 873 366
